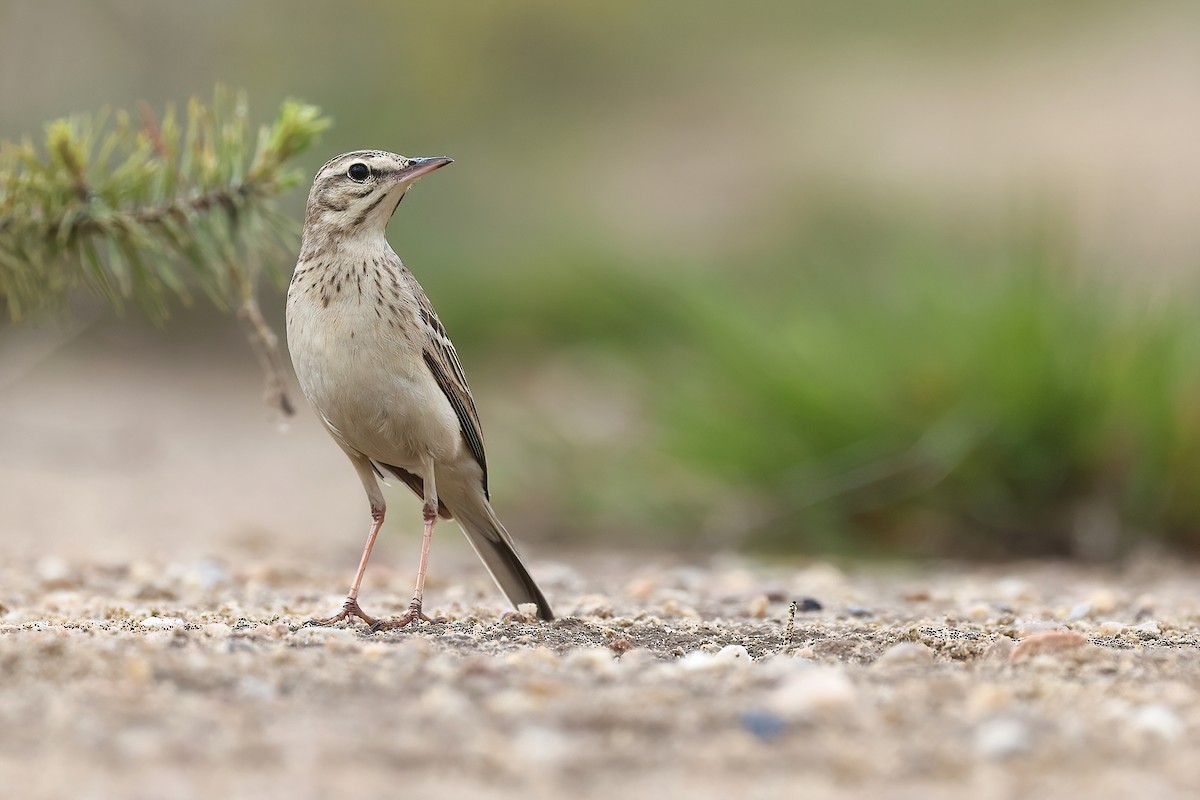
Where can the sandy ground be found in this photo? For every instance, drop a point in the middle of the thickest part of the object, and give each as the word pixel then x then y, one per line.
pixel 161 546
pixel 180 680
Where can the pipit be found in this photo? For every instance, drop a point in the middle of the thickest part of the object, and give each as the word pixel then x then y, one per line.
pixel 378 368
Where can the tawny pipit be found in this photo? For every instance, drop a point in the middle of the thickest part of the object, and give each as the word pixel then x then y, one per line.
pixel 375 363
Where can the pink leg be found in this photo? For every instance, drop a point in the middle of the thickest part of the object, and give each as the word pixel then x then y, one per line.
pixel 430 512
pixel 414 612
pixel 350 607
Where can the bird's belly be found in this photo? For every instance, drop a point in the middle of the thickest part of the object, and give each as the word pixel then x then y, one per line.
pixel 374 392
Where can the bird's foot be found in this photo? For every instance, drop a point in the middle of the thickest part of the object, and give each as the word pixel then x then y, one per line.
pixel 413 615
pixel 349 609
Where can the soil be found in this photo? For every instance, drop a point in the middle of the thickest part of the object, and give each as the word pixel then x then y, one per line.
pixel 200 679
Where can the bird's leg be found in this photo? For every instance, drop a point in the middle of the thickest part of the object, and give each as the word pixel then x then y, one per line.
pixel 350 607
pixel 430 512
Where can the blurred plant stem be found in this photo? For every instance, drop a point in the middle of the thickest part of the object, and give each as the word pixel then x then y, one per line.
pixel 147 210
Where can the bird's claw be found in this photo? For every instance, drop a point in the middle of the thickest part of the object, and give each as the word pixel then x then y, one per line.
pixel 349 609
pixel 413 615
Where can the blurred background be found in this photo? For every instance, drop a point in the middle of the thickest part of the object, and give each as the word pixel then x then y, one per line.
pixel 869 279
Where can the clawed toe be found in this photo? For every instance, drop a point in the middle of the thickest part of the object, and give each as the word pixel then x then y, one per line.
pixel 412 616
pixel 349 609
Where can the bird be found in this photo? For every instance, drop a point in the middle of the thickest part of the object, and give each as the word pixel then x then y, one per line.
pixel 377 367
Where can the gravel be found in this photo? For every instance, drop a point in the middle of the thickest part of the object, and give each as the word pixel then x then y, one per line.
pixel 178 680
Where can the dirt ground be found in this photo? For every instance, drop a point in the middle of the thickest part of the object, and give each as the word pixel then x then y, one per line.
pixel 180 680
pixel 161 546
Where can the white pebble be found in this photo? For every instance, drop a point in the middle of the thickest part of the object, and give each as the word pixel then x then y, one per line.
pixel 1079 611
pixel 906 653
pixel 1147 630
pixel 732 656
pixel 1160 721
pixel 162 623
pixel 597 661
pixel 217 630
pixel 1002 738
pixel 813 689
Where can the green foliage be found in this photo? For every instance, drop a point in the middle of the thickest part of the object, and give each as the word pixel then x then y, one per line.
pixel 940 404
pixel 149 210
pixel 145 210
pixel 876 388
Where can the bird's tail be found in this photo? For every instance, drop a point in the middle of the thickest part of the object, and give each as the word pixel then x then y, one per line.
pixel 493 544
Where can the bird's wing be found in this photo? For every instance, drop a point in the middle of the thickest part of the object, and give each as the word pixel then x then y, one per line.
pixel 442 361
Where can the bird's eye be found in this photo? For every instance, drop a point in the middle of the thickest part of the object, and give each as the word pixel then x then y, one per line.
pixel 358 172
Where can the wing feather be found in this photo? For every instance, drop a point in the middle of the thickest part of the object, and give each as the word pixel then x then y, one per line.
pixel 443 363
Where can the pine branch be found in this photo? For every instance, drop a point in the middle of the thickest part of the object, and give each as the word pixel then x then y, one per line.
pixel 154 210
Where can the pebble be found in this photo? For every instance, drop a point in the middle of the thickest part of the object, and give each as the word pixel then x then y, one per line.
pixel 732 656
pixel 1102 601
pixel 217 630
pixel 162 623
pixel 979 611
pixel 596 661
pixel 989 698
pixel 765 725
pixel 1000 649
pixel 54 573
pixel 1159 721
pixel 1002 738
pixel 859 611
pixel 914 653
pixel 806 604
pixel 1048 642
pixel 1147 630
pixel 1079 611
pixel 813 689
pixel 759 606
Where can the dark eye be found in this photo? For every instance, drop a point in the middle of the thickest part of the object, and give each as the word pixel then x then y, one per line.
pixel 359 172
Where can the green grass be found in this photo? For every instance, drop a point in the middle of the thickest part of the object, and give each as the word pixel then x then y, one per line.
pixel 877 387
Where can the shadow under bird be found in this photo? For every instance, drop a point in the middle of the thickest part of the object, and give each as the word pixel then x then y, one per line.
pixel 382 375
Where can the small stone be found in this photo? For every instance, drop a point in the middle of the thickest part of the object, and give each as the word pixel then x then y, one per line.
pixel 595 661
pixel 54 573
pixel 732 656
pixel 859 611
pixel 813 689
pixel 674 608
pixel 641 589
pixel 807 604
pixel 620 645
pixel 1102 601
pixel 1147 630
pixel 162 623
pixel 912 653
pixel 988 699
pixel 759 606
pixel 1048 642
pixel 1110 627
pixel 217 630
pixel 1014 589
pixel 1030 627
pixel 1001 648
pixel 1002 738
pixel 979 611
pixel 764 725
pixel 1079 611
pixel 1160 721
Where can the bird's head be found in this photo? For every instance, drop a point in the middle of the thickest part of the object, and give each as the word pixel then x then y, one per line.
pixel 358 192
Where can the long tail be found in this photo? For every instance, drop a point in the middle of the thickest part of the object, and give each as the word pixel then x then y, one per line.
pixel 493 544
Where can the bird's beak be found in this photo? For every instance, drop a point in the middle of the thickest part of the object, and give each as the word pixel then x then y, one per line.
pixel 420 167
